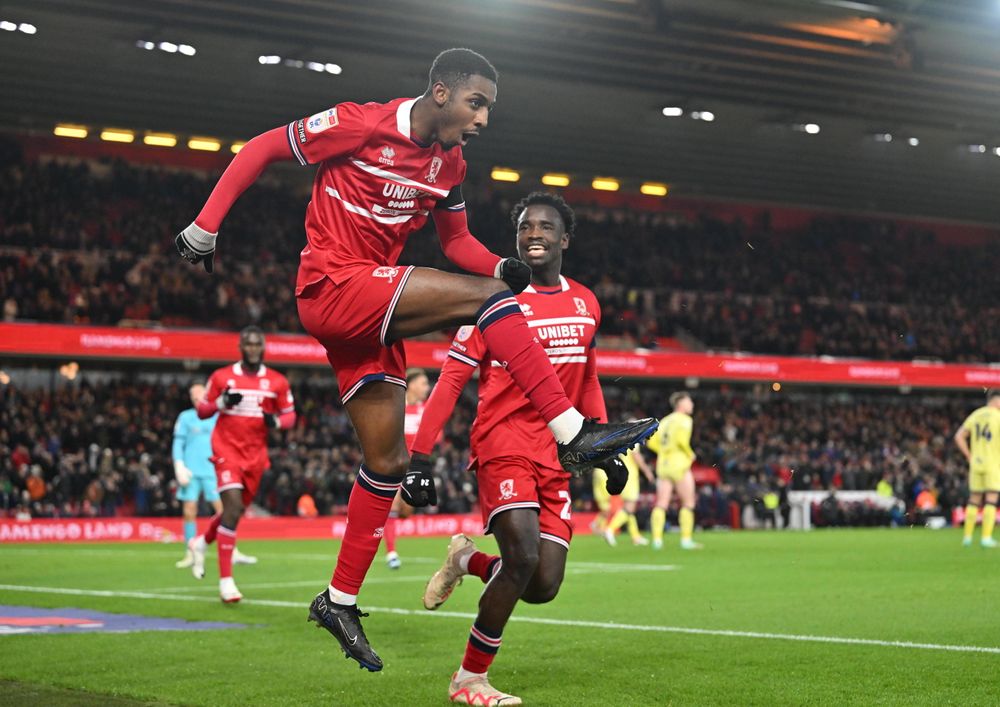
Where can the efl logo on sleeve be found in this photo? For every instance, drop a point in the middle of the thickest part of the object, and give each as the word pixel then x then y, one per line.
pixel 322 121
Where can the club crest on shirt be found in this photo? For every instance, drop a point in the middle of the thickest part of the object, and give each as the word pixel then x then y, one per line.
pixel 265 384
pixel 432 173
pixel 507 490
pixel 386 272
pixel 581 306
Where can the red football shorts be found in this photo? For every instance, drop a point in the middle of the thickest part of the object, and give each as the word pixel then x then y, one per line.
pixel 351 320
pixel 506 483
pixel 230 475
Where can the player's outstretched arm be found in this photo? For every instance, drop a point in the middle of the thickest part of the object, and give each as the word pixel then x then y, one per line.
pixel 196 243
pixel 465 250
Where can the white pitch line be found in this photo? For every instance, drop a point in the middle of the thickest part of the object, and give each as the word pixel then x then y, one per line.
pixel 283 585
pixel 724 633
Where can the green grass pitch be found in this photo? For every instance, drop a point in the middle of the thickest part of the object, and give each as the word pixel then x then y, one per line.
pixel 861 617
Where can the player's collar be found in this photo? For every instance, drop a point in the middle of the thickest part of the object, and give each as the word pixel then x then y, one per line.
pixel 563 284
pixel 403 117
pixel 238 369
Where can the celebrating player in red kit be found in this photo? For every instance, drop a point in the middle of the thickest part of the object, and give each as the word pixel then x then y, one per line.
pixel 383 170
pixel 523 492
pixel 251 399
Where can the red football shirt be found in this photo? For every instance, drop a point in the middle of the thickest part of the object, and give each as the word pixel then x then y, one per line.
pixel 411 421
pixel 376 184
pixel 565 320
pixel 240 435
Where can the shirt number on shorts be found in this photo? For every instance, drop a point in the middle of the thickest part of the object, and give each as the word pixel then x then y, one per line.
pixel 565 512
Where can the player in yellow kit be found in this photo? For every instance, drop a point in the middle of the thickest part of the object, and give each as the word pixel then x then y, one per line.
pixel 674 456
pixel 630 497
pixel 979 440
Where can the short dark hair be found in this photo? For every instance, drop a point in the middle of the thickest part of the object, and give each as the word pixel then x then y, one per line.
pixel 252 329
pixel 677 397
pixel 545 198
pixel 453 67
pixel 414 373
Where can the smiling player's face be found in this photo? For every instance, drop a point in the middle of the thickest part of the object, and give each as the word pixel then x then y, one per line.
pixel 466 110
pixel 541 236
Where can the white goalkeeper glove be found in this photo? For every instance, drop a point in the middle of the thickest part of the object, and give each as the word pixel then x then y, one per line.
pixel 182 473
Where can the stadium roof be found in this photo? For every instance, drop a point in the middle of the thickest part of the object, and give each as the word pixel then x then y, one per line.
pixel 583 84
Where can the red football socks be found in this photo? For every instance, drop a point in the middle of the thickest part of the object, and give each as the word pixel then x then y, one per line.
pixel 481 649
pixel 510 341
pixel 213 527
pixel 227 541
pixel 484 566
pixel 367 512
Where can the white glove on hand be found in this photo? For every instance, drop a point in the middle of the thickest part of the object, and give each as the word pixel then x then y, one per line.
pixel 182 473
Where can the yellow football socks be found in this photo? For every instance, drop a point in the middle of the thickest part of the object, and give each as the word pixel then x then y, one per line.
pixel 989 520
pixel 633 527
pixel 618 521
pixel 658 518
pixel 686 519
pixel 971 512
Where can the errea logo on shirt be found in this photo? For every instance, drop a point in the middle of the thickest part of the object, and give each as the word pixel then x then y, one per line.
pixel 386 156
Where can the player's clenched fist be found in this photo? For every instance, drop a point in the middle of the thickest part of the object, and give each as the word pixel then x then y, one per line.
pixel 230 399
pixel 617 474
pixel 196 245
pixel 515 273
pixel 417 488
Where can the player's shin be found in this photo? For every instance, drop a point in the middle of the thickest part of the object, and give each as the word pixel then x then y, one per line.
pixel 989 520
pixel 367 512
pixel 686 520
pixel 481 565
pixel 213 528
pixel 479 651
pixel 971 515
pixel 510 341
pixel 190 530
pixel 227 541
pixel 658 519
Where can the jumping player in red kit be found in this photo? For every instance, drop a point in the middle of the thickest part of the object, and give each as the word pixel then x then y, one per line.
pixel 418 387
pixel 383 170
pixel 251 399
pixel 523 491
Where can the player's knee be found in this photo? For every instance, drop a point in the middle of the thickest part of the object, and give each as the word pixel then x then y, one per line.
pixel 545 590
pixel 231 514
pixel 394 463
pixel 521 566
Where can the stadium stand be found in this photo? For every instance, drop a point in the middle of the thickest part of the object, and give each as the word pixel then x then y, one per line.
pixel 86 242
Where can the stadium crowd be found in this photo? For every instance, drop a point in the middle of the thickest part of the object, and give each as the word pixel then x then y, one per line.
pixel 91 448
pixel 92 243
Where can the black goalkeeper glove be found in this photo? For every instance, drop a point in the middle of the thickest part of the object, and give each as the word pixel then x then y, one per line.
pixel 196 245
pixel 418 484
pixel 515 273
pixel 230 400
pixel 617 474
pixel 271 421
